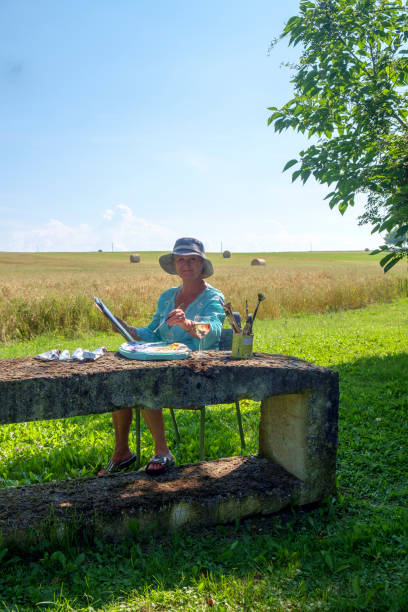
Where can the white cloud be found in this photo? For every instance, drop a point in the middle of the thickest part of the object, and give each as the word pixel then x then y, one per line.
pixel 119 226
pixel 129 232
pixel 268 235
pixel 51 236
pixel 108 214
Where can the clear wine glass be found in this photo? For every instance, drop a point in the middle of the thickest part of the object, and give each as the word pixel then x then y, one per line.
pixel 202 326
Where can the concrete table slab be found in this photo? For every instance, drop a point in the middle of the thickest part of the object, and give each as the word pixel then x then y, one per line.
pixel 297 434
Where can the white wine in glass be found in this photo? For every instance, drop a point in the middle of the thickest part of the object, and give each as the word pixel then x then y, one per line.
pixel 201 327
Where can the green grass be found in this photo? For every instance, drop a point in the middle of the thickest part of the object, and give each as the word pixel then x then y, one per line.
pixel 348 553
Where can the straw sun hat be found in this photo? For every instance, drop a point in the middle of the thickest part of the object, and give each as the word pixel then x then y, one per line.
pixel 186 246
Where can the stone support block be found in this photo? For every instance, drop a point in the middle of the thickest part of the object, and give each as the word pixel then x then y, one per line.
pixel 299 432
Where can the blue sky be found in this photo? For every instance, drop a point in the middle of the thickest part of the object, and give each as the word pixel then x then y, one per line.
pixel 132 123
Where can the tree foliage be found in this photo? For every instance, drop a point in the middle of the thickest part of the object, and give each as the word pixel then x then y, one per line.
pixel 350 98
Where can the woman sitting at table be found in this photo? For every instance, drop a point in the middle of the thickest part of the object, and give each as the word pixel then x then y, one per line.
pixel 172 322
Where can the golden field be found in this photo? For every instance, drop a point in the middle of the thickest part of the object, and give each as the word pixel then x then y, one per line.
pixel 52 292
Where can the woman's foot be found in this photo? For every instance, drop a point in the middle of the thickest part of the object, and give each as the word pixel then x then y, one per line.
pixel 117 464
pixel 159 464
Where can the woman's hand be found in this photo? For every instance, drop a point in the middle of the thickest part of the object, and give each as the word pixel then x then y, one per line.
pixel 178 317
pixel 128 328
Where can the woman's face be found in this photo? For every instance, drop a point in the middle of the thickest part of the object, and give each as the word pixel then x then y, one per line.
pixel 188 267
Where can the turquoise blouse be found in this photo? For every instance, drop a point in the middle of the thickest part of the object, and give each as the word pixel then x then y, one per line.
pixel 206 304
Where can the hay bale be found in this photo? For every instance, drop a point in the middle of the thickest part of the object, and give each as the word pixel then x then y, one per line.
pixel 135 258
pixel 258 261
pixel 226 254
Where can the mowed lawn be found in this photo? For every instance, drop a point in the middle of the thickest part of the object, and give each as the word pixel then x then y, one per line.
pixel 348 553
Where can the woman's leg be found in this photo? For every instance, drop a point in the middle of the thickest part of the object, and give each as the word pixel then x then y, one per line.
pixel 121 424
pixel 154 421
pixel 122 420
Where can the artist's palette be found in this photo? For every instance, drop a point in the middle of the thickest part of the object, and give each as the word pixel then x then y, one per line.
pixel 148 351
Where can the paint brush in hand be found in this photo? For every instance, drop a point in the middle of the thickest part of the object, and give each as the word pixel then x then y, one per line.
pixel 165 320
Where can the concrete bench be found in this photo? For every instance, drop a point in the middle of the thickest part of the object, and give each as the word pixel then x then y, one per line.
pixel 297 439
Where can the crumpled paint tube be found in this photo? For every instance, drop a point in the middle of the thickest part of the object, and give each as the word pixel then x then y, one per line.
pixel 78 355
pixel 84 355
pixel 53 355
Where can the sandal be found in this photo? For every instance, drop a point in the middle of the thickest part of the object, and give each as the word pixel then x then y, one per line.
pixel 112 467
pixel 165 462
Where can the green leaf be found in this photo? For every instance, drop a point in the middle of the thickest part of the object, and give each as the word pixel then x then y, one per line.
pixel 274 116
pixel 386 258
pixel 295 175
pixel 289 164
pixel 391 264
pixel 401 232
pixel 58 556
pixel 355 583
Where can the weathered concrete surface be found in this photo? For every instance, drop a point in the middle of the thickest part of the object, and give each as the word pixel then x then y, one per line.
pixel 299 431
pixel 33 390
pixel 199 494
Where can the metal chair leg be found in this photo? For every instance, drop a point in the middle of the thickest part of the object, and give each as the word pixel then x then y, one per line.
pixel 176 429
pixel 137 434
pixel 241 431
pixel 202 433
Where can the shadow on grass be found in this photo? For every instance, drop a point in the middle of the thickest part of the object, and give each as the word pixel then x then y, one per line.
pixel 40 455
pixel 373 426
